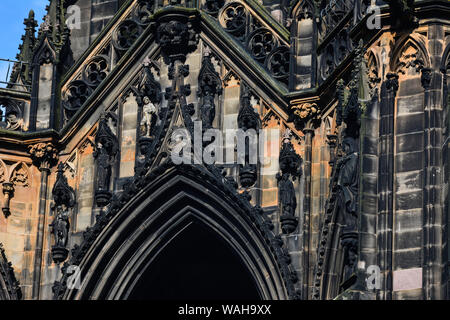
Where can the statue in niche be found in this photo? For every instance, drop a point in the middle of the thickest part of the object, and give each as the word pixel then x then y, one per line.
pixel 286 193
pixel 148 112
pixel 348 183
pixel 104 167
pixel 208 110
pixel 61 227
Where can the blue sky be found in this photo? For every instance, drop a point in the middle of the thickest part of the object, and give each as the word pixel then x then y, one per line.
pixel 12 14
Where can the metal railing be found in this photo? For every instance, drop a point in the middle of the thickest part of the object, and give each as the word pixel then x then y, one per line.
pixel 11 63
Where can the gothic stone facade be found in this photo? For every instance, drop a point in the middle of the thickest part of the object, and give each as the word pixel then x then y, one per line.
pixel 357 206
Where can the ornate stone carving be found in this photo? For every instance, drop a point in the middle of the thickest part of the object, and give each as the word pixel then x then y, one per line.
pixel 213 177
pixel 372 72
pixel 349 107
pixel 426 77
pixel 261 43
pixel 392 82
pixel 148 86
pixel 209 85
pixel 20 175
pixel 64 201
pixel 278 63
pixel 234 19
pixel 410 58
pixel 96 70
pixel 13 117
pixel 148 117
pixel 304 112
pixel 44 155
pixel 265 46
pixel 149 97
pixel 290 166
pixel 75 96
pixel 144 10
pixel 9 279
pixel 176 38
pixel 106 148
pixel 348 183
pixel 305 11
pixel 8 191
pixel 126 34
pixel 248 119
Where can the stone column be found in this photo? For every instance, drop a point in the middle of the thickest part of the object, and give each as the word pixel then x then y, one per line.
pixel 432 210
pixel 385 183
pixel 309 134
pixel 44 156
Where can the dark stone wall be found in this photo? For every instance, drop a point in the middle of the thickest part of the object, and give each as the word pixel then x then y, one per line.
pixel 95 14
pixel 370 121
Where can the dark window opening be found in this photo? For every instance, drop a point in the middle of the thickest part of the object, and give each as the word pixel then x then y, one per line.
pixel 197 265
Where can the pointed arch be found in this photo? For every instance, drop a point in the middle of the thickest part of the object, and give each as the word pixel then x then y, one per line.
pixel 373 67
pixel 154 211
pixel 303 8
pixel 417 56
pixel 44 52
pixel 20 175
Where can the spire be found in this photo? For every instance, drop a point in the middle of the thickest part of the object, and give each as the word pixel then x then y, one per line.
pixel 53 28
pixel 22 72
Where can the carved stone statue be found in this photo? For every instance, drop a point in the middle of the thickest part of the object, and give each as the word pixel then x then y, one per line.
pixel 107 147
pixel 209 86
pixel 348 183
pixel 148 111
pixel 64 197
pixel 103 168
pixel 286 193
pixel 61 227
pixel 208 111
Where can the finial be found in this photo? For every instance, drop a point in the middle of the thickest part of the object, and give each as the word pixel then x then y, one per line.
pixel 45 26
pixel 287 136
pixel 147 62
pixel 207 52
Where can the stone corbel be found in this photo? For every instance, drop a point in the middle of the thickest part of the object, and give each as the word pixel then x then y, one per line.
pixel 304 113
pixel 8 191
